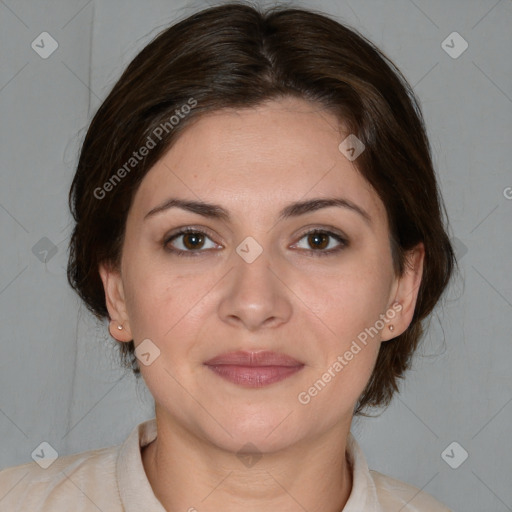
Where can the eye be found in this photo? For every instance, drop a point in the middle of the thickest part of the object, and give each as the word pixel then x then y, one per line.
pixel 319 240
pixel 193 240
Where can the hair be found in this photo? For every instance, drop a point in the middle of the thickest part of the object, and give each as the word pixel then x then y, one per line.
pixel 238 56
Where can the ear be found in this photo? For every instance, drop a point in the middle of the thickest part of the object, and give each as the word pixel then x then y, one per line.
pixel 406 292
pixel 114 297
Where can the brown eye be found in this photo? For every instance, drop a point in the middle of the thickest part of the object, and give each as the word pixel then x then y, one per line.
pixel 189 242
pixel 193 240
pixel 318 240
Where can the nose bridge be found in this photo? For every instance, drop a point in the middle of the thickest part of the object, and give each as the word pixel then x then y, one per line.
pixel 253 275
pixel 255 295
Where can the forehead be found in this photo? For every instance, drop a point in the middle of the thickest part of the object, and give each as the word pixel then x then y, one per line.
pixel 256 160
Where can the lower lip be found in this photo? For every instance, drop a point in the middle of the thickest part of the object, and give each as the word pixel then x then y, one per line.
pixel 254 376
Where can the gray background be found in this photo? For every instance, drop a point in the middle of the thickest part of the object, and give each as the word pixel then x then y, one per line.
pixel 58 376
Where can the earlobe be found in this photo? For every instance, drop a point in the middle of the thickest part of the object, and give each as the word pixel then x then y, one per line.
pixel 119 326
pixel 407 291
pixel 393 322
pixel 118 332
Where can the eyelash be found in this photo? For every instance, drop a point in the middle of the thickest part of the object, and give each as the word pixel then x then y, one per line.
pixel 318 252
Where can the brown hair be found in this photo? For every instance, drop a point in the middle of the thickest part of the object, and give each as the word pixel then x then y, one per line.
pixel 236 55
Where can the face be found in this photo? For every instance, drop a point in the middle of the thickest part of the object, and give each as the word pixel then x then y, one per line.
pixel 306 284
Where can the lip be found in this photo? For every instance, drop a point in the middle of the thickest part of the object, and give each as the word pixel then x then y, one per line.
pixel 253 358
pixel 254 369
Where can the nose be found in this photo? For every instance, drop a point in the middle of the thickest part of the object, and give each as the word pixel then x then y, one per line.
pixel 255 294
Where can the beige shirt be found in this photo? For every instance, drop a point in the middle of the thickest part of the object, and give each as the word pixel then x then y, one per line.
pixel 113 480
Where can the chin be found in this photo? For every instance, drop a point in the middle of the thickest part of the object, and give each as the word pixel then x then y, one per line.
pixel 266 430
pixel 254 442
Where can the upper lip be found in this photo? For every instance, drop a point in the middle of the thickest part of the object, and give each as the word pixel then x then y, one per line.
pixel 251 358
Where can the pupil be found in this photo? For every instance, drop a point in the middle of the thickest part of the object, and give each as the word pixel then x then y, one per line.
pixel 196 237
pixel 316 237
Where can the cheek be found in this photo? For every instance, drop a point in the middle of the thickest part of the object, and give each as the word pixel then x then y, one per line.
pixel 351 306
pixel 349 348
pixel 167 306
pixel 154 300
pixel 353 299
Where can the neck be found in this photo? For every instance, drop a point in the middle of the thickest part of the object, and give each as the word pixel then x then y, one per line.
pixel 188 473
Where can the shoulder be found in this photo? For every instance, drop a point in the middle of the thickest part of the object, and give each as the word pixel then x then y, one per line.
pixel 83 481
pixel 392 492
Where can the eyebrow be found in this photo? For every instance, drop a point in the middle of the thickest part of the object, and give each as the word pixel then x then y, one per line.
pixel 296 209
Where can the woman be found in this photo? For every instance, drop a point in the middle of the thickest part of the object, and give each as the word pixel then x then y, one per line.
pixel 258 217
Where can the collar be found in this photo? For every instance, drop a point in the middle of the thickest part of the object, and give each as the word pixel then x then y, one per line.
pixel 135 491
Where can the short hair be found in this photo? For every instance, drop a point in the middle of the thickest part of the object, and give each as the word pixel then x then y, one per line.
pixel 238 56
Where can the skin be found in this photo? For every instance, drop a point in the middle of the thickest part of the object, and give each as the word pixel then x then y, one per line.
pixel 254 162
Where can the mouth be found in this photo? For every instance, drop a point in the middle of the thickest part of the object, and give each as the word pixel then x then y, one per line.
pixel 254 369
